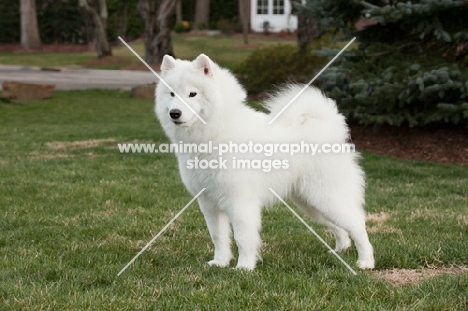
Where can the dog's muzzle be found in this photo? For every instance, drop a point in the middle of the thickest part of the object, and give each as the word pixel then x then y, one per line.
pixel 175 114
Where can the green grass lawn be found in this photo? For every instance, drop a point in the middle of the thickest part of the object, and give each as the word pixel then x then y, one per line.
pixel 228 51
pixel 74 211
pixel 45 59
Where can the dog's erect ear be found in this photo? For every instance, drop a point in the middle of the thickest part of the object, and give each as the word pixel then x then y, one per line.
pixel 205 64
pixel 168 63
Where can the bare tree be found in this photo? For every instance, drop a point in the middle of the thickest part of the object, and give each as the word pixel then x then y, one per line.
pixel 104 14
pixel 98 24
pixel 244 17
pixel 306 28
pixel 178 10
pixel 30 39
pixel 202 14
pixel 157 35
pixel 306 31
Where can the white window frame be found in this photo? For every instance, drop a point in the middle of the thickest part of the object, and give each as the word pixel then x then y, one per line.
pixel 279 7
pixel 263 7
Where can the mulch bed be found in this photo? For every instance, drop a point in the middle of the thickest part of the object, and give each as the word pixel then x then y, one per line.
pixel 107 60
pixel 441 144
pixel 141 67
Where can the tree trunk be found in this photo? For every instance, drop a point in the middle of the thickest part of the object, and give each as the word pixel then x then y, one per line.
pixel 30 39
pixel 178 10
pixel 104 14
pixel 98 23
pixel 157 34
pixel 244 17
pixel 202 14
pixel 306 29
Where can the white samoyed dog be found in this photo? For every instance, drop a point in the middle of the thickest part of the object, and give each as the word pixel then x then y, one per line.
pixel 327 187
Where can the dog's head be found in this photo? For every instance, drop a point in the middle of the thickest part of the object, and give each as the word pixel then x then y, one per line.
pixel 183 95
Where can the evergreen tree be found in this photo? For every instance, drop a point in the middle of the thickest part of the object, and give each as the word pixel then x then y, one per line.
pixel 410 63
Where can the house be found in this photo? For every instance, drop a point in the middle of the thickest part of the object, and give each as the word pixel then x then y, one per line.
pixel 272 15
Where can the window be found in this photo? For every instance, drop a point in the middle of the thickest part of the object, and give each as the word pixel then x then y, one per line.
pixel 262 6
pixel 278 7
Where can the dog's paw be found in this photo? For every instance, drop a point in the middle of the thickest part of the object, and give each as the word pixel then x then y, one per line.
pixel 217 263
pixel 247 264
pixel 342 247
pixel 245 267
pixel 366 264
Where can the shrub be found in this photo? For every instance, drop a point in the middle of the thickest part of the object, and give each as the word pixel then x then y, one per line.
pixel 182 27
pixel 268 67
pixel 413 94
pixel 410 64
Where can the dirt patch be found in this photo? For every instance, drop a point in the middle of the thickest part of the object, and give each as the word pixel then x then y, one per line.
pixel 141 67
pixel 62 146
pixel 402 277
pixel 9 47
pixel 48 156
pixel 80 144
pixel 384 229
pixel 441 144
pixel 36 156
pixel 106 61
pixel 67 48
pixel 378 217
pixel 377 223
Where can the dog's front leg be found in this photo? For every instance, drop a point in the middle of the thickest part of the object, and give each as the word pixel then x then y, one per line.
pixel 246 222
pixel 220 232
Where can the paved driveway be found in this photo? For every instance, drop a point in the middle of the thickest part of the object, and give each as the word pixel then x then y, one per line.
pixel 77 79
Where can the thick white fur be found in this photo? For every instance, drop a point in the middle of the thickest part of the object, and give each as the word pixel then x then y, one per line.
pixel 328 187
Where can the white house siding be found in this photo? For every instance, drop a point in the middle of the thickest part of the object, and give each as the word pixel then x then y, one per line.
pixel 277 22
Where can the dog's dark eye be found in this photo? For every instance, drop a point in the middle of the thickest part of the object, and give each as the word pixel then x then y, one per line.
pixel 192 94
pixel 172 94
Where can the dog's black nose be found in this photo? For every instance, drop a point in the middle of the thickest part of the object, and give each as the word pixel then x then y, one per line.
pixel 175 113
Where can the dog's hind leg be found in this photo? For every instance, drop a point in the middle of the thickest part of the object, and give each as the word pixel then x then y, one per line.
pixel 349 216
pixel 343 242
pixel 353 221
pixel 220 231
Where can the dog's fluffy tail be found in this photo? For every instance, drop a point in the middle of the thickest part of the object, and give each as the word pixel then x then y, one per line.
pixel 311 110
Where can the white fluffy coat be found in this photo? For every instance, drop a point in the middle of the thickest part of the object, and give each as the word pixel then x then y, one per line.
pixel 328 187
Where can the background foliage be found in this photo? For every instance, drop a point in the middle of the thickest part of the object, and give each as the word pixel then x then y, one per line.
pixel 9 21
pixel 271 66
pixel 410 67
pixel 61 20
